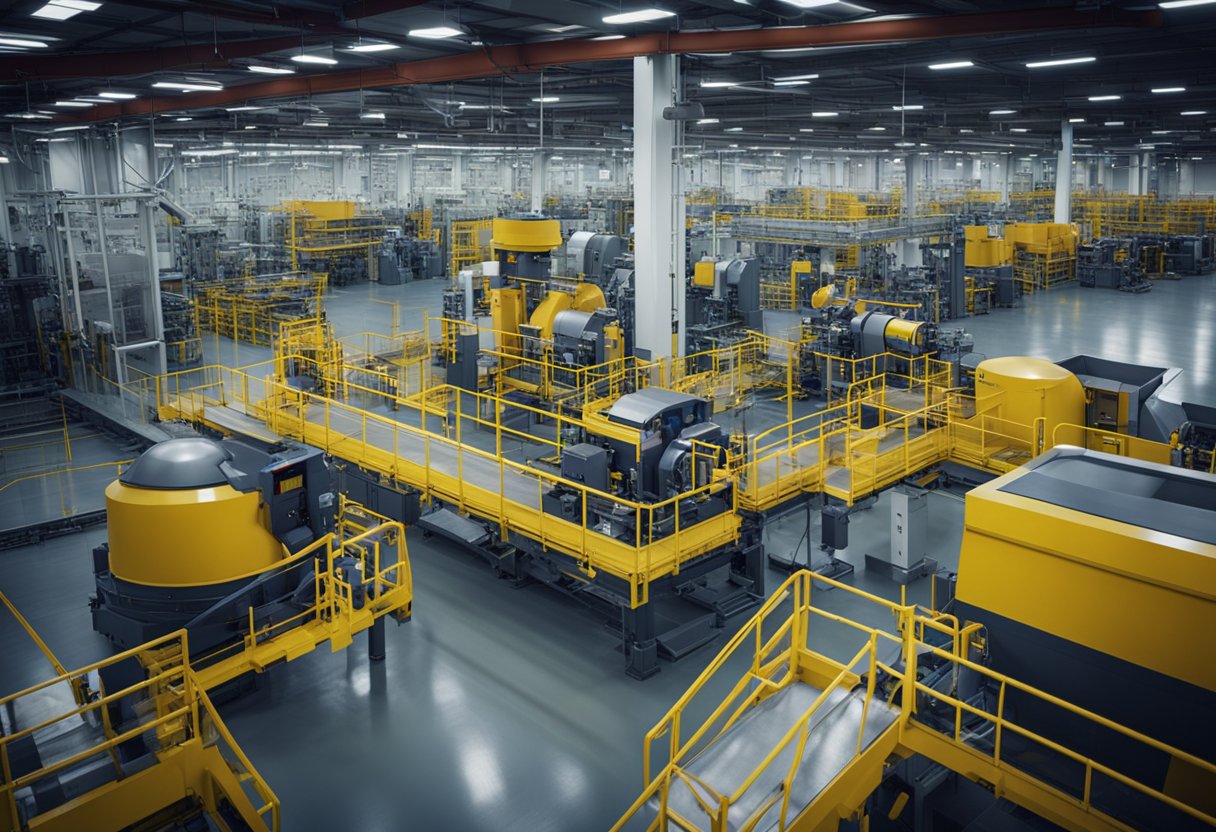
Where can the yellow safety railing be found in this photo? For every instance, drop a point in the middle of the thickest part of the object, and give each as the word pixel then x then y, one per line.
pixel 927 717
pixel 182 729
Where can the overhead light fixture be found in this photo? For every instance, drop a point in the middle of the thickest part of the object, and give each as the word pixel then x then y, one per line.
pixel 72 104
pixel 952 65
pixel 965 130
pixel 23 43
pixel 1001 112
pixel 117 96
pixel 824 114
pixel 1162 90
pixel 901 107
pixel 546 99
pixel 609 37
pixel 1182 4
pixel 1019 129
pixel 1193 113
pixel 707 121
pixel 271 70
pixel 1060 62
pixel 3 160
pixel 313 59
pixel 373 116
pixel 71 128
pixel 876 128
pixel 806 129
pixel 29 116
pixel 187 86
pixel 372 47
pixel 244 108
pixel 1112 124
pixel 809 4
pixel 1076 121
pixel 638 16
pixel 1161 132
pixel 1105 97
pixel 734 130
pixel 790 83
pixel 184 118
pixel 718 84
pixel 808 77
pixel 435 32
pixel 64 9
pixel 316 124
pixel 251 127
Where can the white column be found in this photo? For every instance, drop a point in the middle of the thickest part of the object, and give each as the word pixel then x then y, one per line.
pixel 540 172
pixel 1186 177
pixel 658 210
pixel 1006 176
pixel 910 163
pixel 457 181
pixel 1064 175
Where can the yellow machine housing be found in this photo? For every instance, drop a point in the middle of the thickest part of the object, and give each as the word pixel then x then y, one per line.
pixel 187 537
pixel 526 234
pixel 1020 390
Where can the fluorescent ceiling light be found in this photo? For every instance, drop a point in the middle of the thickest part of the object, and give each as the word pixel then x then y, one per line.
pixel 1019 129
pixel 547 99
pixel 250 127
pixel 1160 90
pixel 808 77
pixel 1193 113
pixel 734 130
pixel 435 33
pixel 71 128
pixel 117 96
pixel 63 9
pixel 1105 97
pixel 4 159
pixel 790 83
pixel 718 84
pixel 1112 123
pixel 1001 112
pixel 707 121
pixel 72 104
pixel 23 43
pixel 244 108
pixel 898 108
pixel 609 37
pixel 824 114
pixel 806 129
pixel 372 47
pixel 186 86
pixel 952 65
pixel 1076 121
pixel 316 124
pixel 1161 132
pixel 1060 62
pixel 272 70
pixel 639 16
pixel 1182 4
pixel 809 4
pixel 28 116
pixel 965 130
pixel 184 118
pixel 376 116
pixel 313 59
pixel 876 128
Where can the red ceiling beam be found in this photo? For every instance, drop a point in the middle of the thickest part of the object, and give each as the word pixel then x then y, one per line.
pixel 105 65
pixel 529 57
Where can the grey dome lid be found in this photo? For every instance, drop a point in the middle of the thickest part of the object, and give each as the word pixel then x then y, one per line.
pixel 179 464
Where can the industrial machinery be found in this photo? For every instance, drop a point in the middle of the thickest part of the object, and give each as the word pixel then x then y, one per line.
pixel 1064 677
pixel 723 302
pixel 220 538
pixel 646 471
pixel 1112 263
pixel 1190 253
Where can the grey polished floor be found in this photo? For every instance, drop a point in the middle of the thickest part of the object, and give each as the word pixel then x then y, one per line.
pixel 506 709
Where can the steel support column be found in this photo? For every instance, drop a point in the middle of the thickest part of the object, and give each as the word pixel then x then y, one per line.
pixel 658 210
pixel 540 171
pixel 1064 175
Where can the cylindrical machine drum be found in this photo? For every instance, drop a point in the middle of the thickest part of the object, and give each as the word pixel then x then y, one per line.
pixel 186 537
pixel 1019 390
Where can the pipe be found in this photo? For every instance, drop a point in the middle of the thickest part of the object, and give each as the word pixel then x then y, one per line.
pixel 528 57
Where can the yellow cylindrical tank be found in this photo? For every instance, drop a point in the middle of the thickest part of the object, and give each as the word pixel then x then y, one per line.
pixel 1019 390
pixel 186 537
pixel 176 520
pixel 526 234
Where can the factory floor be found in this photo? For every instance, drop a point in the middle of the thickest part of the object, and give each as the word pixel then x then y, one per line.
pixel 507 709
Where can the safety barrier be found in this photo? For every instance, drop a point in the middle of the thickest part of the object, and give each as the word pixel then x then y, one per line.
pixel 195 756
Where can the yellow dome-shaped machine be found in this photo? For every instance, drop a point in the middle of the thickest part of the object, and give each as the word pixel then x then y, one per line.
pixel 200 530
pixel 1018 391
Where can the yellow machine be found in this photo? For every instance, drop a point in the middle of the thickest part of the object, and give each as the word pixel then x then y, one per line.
pixel 247 551
pixel 1071 674
pixel 1020 393
pixel 540 322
